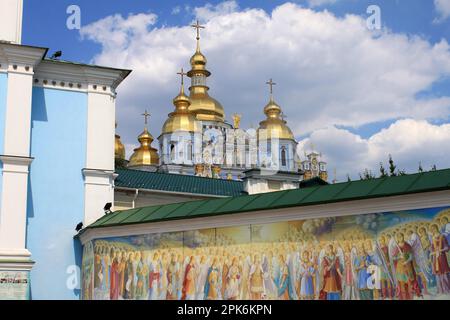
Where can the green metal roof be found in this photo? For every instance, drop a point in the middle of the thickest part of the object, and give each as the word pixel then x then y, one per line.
pixel 136 179
pixel 354 190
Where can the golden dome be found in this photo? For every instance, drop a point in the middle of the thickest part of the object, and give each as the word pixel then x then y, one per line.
pixel 202 105
pixel 205 107
pixel 119 149
pixel 181 119
pixel 274 125
pixel 145 154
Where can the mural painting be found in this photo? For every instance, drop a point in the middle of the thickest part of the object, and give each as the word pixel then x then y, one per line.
pixel 383 256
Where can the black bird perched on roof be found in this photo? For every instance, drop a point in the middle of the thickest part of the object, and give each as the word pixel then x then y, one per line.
pixel 107 208
pixel 79 227
pixel 56 55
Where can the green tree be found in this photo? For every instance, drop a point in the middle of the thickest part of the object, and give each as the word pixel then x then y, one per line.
pixel 420 167
pixel 367 175
pixel 383 173
pixel 392 167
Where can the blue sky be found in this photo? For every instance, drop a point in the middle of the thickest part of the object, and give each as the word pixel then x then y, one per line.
pixel 45 20
pixel 403 21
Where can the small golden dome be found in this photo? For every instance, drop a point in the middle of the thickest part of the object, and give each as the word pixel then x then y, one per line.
pixel 119 149
pixel 274 125
pixel 145 154
pixel 181 119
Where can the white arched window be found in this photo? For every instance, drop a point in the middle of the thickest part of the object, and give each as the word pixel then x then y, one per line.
pixel 189 151
pixel 283 157
pixel 172 152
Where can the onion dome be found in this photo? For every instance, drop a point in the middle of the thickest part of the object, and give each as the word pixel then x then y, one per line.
pixel 145 155
pixel 274 125
pixel 182 119
pixel 119 148
pixel 202 105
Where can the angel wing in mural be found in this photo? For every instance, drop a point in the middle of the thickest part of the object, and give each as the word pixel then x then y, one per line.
pixel 271 290
pixel 319 282
pixel 292 262
pixel 391 249
pixel 341 257
pixel 245 277
pixel 420 257
pixel 384 262
pixel 202 273
pixel 353 255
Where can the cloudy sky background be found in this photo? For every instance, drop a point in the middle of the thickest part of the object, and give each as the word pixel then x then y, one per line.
pixel 356 94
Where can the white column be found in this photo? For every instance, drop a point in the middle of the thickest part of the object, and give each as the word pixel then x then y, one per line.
pixel 16 154
pixel 14 208
pixel 99 171
pixel 11 20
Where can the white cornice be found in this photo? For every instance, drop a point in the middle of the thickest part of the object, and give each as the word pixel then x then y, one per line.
pixel 346 208
pixel 78 77
pixel 16 160
pixel 21 55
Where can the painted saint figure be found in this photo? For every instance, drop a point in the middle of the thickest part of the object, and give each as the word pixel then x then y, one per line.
pixel 331 268
pixel 440 265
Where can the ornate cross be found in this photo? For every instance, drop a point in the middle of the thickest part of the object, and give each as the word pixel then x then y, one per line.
pixel 271 84
pixel 198 27
pixel 146 115
pixel 182 74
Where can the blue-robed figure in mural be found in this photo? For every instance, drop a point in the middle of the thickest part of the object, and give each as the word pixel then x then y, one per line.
pixel 213 282
pixel 286 289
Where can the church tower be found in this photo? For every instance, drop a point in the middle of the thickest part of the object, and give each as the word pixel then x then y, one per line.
pixel 11 21
pixel 145 157
pixel 276 142
pixel 313 166
pixel 202 105
pixel 181 133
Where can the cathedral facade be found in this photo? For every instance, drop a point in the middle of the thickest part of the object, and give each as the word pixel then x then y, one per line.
pixel 197 140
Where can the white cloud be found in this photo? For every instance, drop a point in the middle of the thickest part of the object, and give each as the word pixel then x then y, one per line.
pixel 408 141
pixel 330 71
pixel 210 11
pixel 443 9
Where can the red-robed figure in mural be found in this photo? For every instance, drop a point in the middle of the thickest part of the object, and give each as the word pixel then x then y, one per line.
pixel 332 285
pixel 404 269
pixel 114 277
pixel 440 265
pixel 189 281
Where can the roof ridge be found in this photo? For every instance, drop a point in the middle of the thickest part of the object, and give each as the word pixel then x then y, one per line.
pixel 180 175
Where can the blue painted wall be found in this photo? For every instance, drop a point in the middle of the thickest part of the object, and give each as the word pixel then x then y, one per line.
pixel 3 89
pixel 56 189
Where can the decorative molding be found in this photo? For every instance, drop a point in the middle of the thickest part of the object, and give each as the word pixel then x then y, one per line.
pixel 21 56
pixel 16 260
pixel 346 208
pixel 8 159
pixel 79 77
pixel 98 177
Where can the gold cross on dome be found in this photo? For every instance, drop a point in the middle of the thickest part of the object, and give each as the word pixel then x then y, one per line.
pixel 146 115
pixel 198 27
pixel 182 74
pixel 271 84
